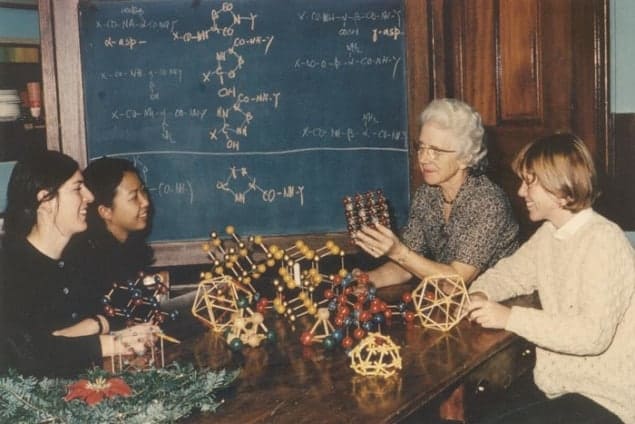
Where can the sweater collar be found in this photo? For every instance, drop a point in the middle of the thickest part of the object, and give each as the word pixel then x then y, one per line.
pixel 573 224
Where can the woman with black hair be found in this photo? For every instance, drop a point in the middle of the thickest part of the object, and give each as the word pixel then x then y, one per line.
pixel 51 325
pixel 114 248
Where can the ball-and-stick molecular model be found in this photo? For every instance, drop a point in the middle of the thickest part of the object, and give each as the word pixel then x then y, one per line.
pixel 441 301
pixel 321 329
pixel 341 308
pixel 244 331
pixel 367 208
pixel 300 276
pixel 138 300
pixel 376 355
pixel 403 308
pixel 352 310
pixel 237 258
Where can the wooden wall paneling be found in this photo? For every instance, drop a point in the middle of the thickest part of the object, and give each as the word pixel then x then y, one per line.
pixel 554 59
pixel 471 55
pixel 520 67
pixel 549 61
pixel 622 194
pixel 419 93
pixel 453 34
pixel 590 118
pixel 479 65
pixel 557 62
pixel 437 68
pixel 590 79
pixel 440 43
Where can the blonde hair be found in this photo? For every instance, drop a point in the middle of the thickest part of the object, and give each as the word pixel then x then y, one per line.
pixel 563 166
pixel 465 124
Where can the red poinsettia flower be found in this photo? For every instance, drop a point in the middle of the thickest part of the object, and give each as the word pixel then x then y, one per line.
pixel 95 391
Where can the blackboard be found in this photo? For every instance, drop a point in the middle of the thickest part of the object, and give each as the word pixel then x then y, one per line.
pixel 262 114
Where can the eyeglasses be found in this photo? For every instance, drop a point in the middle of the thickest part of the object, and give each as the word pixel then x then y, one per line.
pixel 433 151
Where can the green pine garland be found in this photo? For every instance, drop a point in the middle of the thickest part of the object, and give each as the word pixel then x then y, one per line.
pixel 159 396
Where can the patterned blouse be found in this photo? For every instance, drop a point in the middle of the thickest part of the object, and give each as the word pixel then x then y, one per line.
pixel 481 228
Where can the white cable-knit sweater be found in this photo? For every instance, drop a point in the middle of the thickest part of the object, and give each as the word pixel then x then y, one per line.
pixel 584 273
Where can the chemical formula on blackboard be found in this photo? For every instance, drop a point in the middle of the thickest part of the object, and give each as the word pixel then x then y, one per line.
pixel 239 184
pixel 255 113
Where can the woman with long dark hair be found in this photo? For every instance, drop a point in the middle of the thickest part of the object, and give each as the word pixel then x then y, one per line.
pixel 51 325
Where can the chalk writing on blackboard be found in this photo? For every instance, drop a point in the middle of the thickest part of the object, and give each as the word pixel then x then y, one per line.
pixel 181 189
pixel 232 185
pixel 223 23
pixel 127 43
pixel 307 98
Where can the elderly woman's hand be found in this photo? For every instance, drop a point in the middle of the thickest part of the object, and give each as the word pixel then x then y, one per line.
pixel 378 241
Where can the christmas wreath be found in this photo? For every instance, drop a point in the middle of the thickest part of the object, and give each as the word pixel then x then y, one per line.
pixel 152 396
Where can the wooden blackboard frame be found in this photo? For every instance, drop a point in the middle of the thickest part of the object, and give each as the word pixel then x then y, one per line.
pixel 64 102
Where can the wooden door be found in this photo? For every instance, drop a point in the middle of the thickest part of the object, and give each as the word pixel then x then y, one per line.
pixel 530 67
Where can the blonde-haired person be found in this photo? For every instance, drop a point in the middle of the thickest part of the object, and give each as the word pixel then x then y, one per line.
pixel 583 268
pixel 459 221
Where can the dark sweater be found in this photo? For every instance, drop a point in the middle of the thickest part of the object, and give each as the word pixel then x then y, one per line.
pixel 103 260
pixel 41 295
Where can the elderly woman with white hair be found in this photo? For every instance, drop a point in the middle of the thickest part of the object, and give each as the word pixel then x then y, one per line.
pixel 460 222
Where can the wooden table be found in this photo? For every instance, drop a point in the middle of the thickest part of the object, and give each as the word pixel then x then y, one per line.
pixel 286 382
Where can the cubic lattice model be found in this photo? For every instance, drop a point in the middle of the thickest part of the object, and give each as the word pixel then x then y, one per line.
pixel 376 355
pixel 236 257
pixel 441 301
pixel 300 276
pixel 138 300
pixel 218 300
pixel 366 209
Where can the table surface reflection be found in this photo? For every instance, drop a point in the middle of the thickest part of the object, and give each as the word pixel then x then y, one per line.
pixel 286 382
